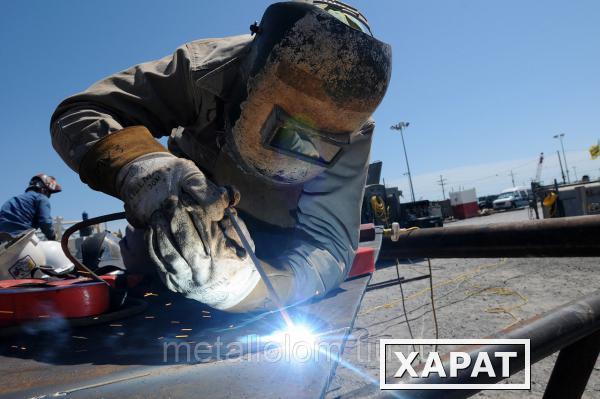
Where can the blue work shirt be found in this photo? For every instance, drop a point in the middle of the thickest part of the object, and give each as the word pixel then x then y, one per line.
pixel 29 210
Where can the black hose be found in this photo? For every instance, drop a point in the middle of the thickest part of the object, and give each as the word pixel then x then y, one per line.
pixel 64 242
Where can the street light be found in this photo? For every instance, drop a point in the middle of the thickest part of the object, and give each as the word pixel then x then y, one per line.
pixel 560 137
pixel 400 126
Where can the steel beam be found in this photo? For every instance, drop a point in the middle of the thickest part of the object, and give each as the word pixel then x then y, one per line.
pixel 561 237
pixel 574 364
pixel 548 333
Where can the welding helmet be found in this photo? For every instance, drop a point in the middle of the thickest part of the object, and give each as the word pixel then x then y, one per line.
pixel 101 249
pixel 313 75
pixel 45 183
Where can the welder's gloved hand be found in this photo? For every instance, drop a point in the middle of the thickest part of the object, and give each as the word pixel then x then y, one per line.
pixel 202 261
pixel 195 249
pixel 147 182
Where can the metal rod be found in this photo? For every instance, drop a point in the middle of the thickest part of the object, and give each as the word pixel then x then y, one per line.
pixel 573 368
pixel 548 333
pixel 395 281
pixel 263 274
pixel 560 237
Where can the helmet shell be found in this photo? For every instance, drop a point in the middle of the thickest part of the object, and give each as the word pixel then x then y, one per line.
pixel 322 72
pixel 44 182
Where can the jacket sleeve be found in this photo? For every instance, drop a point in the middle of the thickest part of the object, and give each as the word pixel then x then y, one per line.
pixel 43 218
pixel 329 223
pixel 159 95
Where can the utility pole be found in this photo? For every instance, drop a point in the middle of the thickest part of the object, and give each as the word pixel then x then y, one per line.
pixel 575 173
pixel 512 177
pixel 560 138
pixel 441 182
pixel 561 168
pixel 400 126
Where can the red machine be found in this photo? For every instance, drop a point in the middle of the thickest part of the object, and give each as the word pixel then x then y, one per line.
pixel 35 299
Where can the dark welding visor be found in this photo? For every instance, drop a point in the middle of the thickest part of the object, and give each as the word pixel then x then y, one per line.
pixel 291 137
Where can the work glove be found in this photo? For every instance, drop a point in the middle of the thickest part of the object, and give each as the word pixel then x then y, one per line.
pixel 194 247
pixel 147 182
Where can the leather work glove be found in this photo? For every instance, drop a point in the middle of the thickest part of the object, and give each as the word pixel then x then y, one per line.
pixel 195 250
pixel 147 182
pixel 200 259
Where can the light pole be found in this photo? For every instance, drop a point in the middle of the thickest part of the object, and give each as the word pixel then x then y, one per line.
pixel 400 126
pixel 560 138
pixel 562 172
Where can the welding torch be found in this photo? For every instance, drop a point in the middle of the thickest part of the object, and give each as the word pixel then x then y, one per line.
pixel 261 270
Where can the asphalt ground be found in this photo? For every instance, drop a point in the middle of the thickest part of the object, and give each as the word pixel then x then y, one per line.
pixel 473 299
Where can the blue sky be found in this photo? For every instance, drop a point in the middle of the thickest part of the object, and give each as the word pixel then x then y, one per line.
pixel 484 85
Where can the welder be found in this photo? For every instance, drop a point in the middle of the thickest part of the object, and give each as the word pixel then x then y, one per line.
pixel 280 116
pixel 30 210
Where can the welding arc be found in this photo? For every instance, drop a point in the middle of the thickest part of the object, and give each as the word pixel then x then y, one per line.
pixel 259 267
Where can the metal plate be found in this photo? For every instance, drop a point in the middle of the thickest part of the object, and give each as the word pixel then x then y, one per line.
pixel 128 358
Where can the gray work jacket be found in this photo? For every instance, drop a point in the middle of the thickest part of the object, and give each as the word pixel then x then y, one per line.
pixel 181 96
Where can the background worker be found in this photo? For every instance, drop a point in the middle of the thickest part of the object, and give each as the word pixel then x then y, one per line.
pixel 282 115
pixel 30 210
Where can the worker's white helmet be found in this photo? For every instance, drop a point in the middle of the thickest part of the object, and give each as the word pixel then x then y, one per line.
pixel 56 258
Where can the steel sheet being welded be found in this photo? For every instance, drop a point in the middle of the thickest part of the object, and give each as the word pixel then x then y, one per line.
pixel 218 353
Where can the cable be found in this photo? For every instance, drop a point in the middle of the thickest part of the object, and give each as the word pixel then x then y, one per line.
pixel 459 278
pixel 503 291
pixel 64 242
pixel 404 305
pixel 435 321
pixel 499 174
